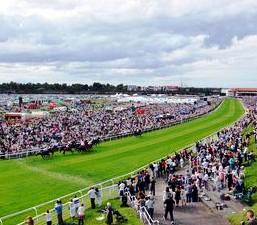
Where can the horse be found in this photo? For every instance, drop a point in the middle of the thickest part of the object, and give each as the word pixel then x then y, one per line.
pixel 46 154
pixel 67 148
pixel 138 132
pixel 86 147
pixel 96 141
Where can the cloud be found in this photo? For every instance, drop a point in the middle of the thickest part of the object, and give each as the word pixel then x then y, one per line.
pixel 197 42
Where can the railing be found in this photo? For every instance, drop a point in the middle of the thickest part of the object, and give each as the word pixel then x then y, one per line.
pixel 146 217
pixel 142 211
pixel 39 209
pixel 107 193
pixel 22 154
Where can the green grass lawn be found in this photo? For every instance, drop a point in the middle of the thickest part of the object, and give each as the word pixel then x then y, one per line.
pixel 250 179
pixel 129 213
pixel 31 181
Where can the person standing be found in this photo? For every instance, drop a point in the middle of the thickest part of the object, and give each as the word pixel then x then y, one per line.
pixel 98 197
pixel 109 216
pixel 92 197
pixel 152 186
pixel 150 205
pixel 76 204
pixel 81 214
pixel 72 208
pixel 58 210
pixel 169 206
pixel 166 194
pixel 183 196
pixel 177 195
pixel 48 217
pixel 188 190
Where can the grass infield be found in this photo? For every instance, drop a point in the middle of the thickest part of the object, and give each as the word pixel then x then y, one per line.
pixel 31 181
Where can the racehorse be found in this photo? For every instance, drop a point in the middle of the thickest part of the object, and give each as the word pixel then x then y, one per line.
pixel 138 132
pixel 46 154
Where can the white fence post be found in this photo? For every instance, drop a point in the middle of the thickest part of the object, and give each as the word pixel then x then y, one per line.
pixel 36 212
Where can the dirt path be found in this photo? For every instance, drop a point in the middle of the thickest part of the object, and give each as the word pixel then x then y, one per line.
pixel 193 214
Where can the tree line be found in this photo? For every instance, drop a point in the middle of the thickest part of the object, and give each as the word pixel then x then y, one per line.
pixel 46 88
pixel 95 88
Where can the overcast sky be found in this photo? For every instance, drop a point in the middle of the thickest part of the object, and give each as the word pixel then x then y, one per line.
pixel 143 42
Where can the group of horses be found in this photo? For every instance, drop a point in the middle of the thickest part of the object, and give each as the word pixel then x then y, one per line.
pixel 74 146
pixel 71 147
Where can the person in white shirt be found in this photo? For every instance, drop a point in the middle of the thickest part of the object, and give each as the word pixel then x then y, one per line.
pixel 76 204
pixel 150 205
pixel 48 218
pixel 182 162
pixel 72 209
pixel 122 188
pixel 81 214
pixel 92 196
pixel 205 181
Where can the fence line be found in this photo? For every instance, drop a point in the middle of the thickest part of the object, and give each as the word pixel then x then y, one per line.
pixel 27 153
pixel 142 211
pixel 111 181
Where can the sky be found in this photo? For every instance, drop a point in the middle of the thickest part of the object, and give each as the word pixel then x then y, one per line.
pixel 143 42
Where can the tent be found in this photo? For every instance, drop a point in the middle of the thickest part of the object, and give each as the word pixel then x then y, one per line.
pixel 140 111
pixel 52 105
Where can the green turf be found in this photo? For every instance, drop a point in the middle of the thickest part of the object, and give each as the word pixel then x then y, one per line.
pixel 28 182
pixel 250 179
pixel 129 213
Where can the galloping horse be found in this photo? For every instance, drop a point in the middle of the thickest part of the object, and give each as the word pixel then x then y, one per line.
pixel 46 154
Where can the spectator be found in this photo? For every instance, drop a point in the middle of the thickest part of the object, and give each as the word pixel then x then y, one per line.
pixel 152 186
pixel 58 210
pixel 48 217
pixel 251 220
pixel 29 221
pixel 92 196
pixel 150 205
pixel 98 197
pixel 169 206
pixel 109 215
pixel 81 214
pixel 72 209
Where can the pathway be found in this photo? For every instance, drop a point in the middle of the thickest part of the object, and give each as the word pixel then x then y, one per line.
pixel 200 213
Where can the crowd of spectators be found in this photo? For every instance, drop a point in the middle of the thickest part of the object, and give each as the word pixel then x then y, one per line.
pixel 85 124
pixel 216 164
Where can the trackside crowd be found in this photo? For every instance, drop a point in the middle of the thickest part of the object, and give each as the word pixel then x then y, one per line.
pixel 85 124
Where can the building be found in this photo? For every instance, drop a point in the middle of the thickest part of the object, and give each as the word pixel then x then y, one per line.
pixel 171 88
pixel 132 88
pixel 237 92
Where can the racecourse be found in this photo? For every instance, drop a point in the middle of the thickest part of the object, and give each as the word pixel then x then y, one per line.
pixel 31 181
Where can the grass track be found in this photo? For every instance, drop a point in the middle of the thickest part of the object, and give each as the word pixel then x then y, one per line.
pixel 28 182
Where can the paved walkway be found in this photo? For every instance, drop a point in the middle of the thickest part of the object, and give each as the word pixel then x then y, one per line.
pixel 200 213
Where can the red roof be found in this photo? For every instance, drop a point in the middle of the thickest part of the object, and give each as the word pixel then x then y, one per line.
pixel 244 89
